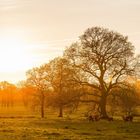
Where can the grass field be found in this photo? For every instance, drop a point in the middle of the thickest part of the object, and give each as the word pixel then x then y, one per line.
pixel 21 124
pixel 17 128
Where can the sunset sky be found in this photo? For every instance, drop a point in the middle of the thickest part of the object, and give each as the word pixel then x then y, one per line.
pixel 34 31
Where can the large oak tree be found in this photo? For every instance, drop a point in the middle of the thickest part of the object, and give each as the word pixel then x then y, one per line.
pixel 102 59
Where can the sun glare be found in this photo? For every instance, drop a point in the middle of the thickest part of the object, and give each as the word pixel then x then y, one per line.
pixel 13 54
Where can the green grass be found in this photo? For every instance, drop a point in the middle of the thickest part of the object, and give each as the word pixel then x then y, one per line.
pixel 21 124
pixel 63 129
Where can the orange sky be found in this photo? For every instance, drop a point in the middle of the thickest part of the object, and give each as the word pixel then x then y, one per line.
pixel 34 31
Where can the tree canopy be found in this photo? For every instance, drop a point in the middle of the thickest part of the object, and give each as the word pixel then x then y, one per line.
pixel 103 59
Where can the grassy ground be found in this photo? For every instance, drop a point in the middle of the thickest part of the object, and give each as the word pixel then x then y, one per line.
pixel 64 129
pixel 21 124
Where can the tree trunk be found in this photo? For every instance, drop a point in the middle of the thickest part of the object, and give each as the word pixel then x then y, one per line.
pixel 60 112
pixel 42 105
pixel 103 107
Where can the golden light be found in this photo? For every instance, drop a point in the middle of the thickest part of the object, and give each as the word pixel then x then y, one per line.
pixel 13 54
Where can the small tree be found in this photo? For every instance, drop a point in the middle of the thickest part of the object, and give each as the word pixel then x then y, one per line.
pixel 128 99
pixel 66 92
pixel 36 77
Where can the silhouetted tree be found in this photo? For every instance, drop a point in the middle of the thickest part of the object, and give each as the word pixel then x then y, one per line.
pixel 102 59
pixel 36 77
pixel 65 91
pixel 127 98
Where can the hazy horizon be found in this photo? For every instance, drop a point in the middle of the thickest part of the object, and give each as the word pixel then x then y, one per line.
pixel 34 31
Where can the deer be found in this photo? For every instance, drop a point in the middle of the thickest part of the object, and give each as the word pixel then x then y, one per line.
pixel 110 118
pixel 93 118
pixel 128 118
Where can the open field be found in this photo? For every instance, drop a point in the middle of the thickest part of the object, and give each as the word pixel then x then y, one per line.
pixel 19 123
pixel 18 128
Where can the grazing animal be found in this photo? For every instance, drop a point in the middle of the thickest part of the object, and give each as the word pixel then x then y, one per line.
pixel 93 118
pixel 128 118
pixel 96 118
pixel 110 118
pixel 90 118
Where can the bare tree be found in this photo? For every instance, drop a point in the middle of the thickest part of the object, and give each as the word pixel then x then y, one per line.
pixel 66 93
pixel 36 77
pixel 128 99
pixel 102 59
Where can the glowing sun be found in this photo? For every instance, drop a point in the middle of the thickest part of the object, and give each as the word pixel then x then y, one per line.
pixel 13 54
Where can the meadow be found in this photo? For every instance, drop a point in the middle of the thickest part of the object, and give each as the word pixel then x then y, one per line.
pixel 14 126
